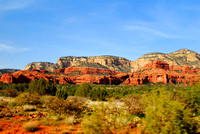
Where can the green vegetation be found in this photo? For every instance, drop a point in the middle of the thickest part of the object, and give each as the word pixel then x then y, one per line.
pixel 83 90
pixel 27 98
pixel 166 115
pixel 107 108
pixel 42 87
pixel 98 93
pixel 62 93
pixel 9 92
pixel 105 118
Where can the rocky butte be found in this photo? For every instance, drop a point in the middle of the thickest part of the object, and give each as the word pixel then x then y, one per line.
pixel 178 67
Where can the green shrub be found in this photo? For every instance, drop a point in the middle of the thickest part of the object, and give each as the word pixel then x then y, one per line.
pixel 46 99
pixel 98 93
pixel 164 115
pixel 3 103
pixel 72 106
pixel 77 106
pixel 71 89
pixel 105 119
pixel 9 92
pixel 191 98
pixel 20 87
pixel 31 126
pixel 134 104
pixel 27 98
pixel 57 105
pixel 83 90
pixel 42 87
pixel 70 120
pixel 62 93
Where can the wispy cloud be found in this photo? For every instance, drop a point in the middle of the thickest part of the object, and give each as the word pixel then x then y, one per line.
pixel 90 40
pixel 111 46
pixel 8 48
pixel 13 4
pixel 150 30
pixel 2 66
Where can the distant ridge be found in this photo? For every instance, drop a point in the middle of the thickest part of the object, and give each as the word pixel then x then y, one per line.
pixel 180 57
pixel 3 71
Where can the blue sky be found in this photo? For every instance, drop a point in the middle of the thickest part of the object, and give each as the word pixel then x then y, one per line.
pixel 44 30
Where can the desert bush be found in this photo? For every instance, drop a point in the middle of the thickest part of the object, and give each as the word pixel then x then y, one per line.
pixel 27 98
pixel 191 97
pixel 188 95
pixel 77 105
pixel 29 107
pixel 9 92
pixel 164 115
pixel 31 126
pixel 72 106
pixel 20 87
pixel 46 99
pixel 70 120
pixel 83 90
pixel 134 104
pixel 62 93
pixel 3 103
pixel 98 93
pixel 71 89
pixel 57 105
pixel 105 119
pixel 42 87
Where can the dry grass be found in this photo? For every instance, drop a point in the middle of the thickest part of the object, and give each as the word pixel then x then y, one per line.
pixel 29 107
pixel 31 126
pixel 70 120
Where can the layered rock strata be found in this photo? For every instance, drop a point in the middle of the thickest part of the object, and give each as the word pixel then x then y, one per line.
pixel 182 57
pixel 155 72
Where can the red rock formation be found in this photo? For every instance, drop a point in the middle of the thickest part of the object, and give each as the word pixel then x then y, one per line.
pixel 176 68
pixel 88 70
pixel 158 73
pixel 88 77
pixel 60 70
pixel 161 75
pixel 156 64
pixel 7 78
pixel 186 69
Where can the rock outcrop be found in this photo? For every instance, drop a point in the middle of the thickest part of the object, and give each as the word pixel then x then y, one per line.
pixel 113 63
pixel 180 58
pixel 159 71
pixel 155 72
pixel 156 64
pixel 85 70
pixel 41 66
pixel 89 75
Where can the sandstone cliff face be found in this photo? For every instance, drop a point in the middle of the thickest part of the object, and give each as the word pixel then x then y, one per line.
pixel 158 71
pixel 87 77
pixel 41 66
pixel 113 63
pixel 179 58
pixel 156 64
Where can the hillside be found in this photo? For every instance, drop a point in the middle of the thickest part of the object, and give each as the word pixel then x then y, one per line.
pixel 113 63
pixel 181 58
pixel 3 71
